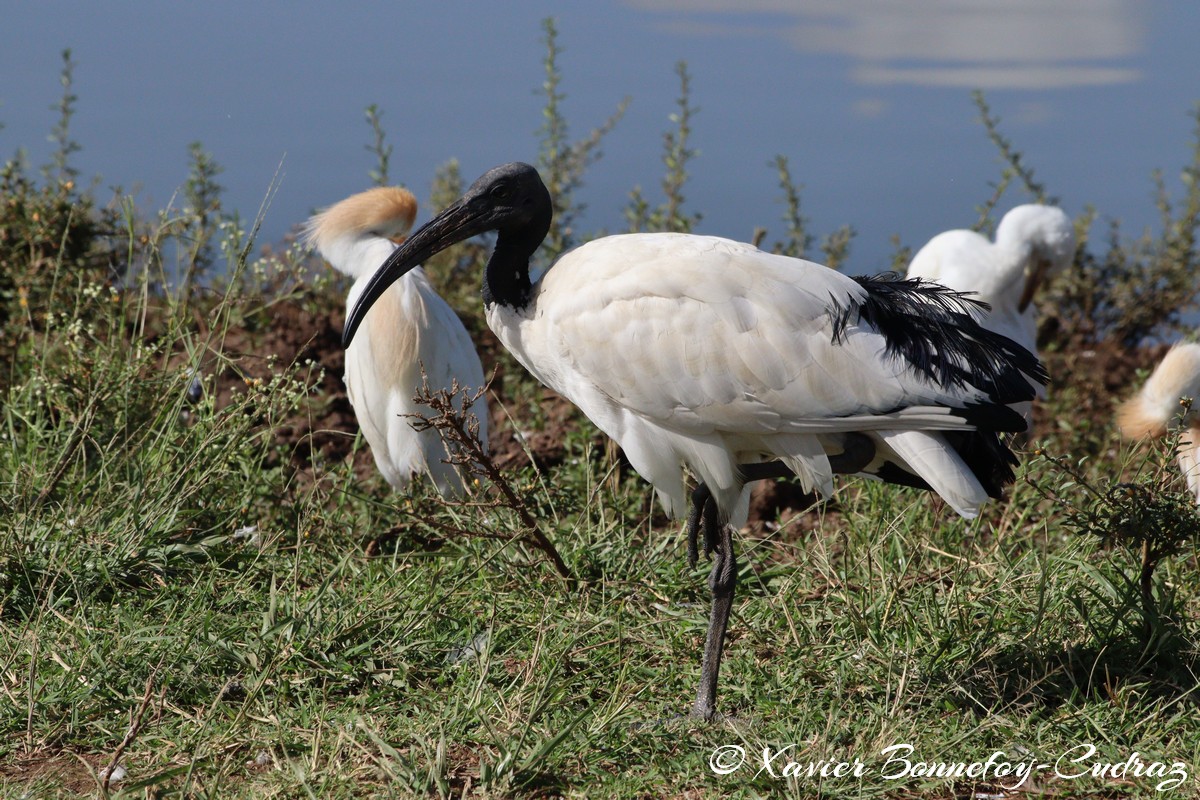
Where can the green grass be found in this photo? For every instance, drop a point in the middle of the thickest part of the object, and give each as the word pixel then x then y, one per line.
pixel 227 611
pixel 319 657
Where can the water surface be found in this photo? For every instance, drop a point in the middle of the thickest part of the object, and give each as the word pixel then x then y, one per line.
pixel 870 101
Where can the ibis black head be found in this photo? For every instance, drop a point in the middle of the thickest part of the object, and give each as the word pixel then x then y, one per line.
pixel 510 199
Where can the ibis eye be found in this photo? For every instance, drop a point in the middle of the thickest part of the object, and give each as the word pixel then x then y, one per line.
pixel 501 192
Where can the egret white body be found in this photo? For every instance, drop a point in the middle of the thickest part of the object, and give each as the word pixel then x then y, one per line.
pixel 410 328
pixel 1163 405
pixel 1033 245
pixel 704 352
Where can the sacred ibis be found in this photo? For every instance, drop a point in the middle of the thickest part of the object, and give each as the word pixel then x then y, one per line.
pixel 1168 400
pixel 410 328
pixel 700 351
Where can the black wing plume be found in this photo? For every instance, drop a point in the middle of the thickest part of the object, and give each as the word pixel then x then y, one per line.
pixel 934 329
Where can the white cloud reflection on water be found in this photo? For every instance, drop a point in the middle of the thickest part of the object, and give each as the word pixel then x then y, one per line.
pixel 869 101
pixel 986 44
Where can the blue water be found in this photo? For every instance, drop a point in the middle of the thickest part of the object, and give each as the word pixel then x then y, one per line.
pixel 870 101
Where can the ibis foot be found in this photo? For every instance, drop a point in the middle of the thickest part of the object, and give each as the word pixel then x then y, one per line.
pixel 858 451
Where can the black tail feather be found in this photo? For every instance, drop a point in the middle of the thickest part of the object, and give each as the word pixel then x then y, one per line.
pixel 987 456
pixel 934 330
pixel 993 417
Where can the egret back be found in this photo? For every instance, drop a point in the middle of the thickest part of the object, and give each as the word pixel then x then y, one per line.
pixel 411 330
pixel 350 234
pixel 1150 412
pixel 1189 459
pixel 967 262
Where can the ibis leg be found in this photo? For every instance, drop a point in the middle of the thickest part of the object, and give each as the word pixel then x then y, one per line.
pixel 858 451
pixel 718 542
pixel 721 581
pixel 700 502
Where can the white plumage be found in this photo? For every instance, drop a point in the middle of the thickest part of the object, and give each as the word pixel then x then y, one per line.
pixel 409 327
pixel 1034 244
pixel 699 351
pixel 1159 407
pixel 711 353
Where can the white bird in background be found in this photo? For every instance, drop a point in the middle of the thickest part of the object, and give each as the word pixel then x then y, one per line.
pixel 1034 244
pixel 410 327
pixel 1159 407
pixel 711 353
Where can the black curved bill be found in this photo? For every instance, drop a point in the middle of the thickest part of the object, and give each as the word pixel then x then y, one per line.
pixel 456 223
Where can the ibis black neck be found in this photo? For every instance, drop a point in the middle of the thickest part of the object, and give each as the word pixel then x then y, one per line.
pixel 506 279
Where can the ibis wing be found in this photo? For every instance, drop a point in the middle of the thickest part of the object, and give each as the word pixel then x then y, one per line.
pixel 705 335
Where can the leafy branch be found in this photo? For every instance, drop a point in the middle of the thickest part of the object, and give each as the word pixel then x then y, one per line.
pixel 377 148
pixel 1156 521
pixel 60 135
pixel 669 215
pixel 1010 156
pixel 799 240
pixel 203 213
pixel 563 162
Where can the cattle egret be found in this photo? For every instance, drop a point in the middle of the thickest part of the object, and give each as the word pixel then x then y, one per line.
pixel 1169 399
pixel 699 351
pixel 1033 245
pixel 410 328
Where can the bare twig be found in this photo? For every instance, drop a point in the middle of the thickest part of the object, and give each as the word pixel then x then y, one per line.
pixel 135 727
pixel 452 418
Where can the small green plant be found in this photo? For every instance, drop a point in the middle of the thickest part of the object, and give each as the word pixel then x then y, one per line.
pixel 202 216
pixel 1014 163
pixel 447 186
pixel 834 248
pixel 64 145
pixel 377 148
pixel 901 255
pixel 1149 517
pixel 677 154
pixel 562 162
pixel 53 237
pixel 798 240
